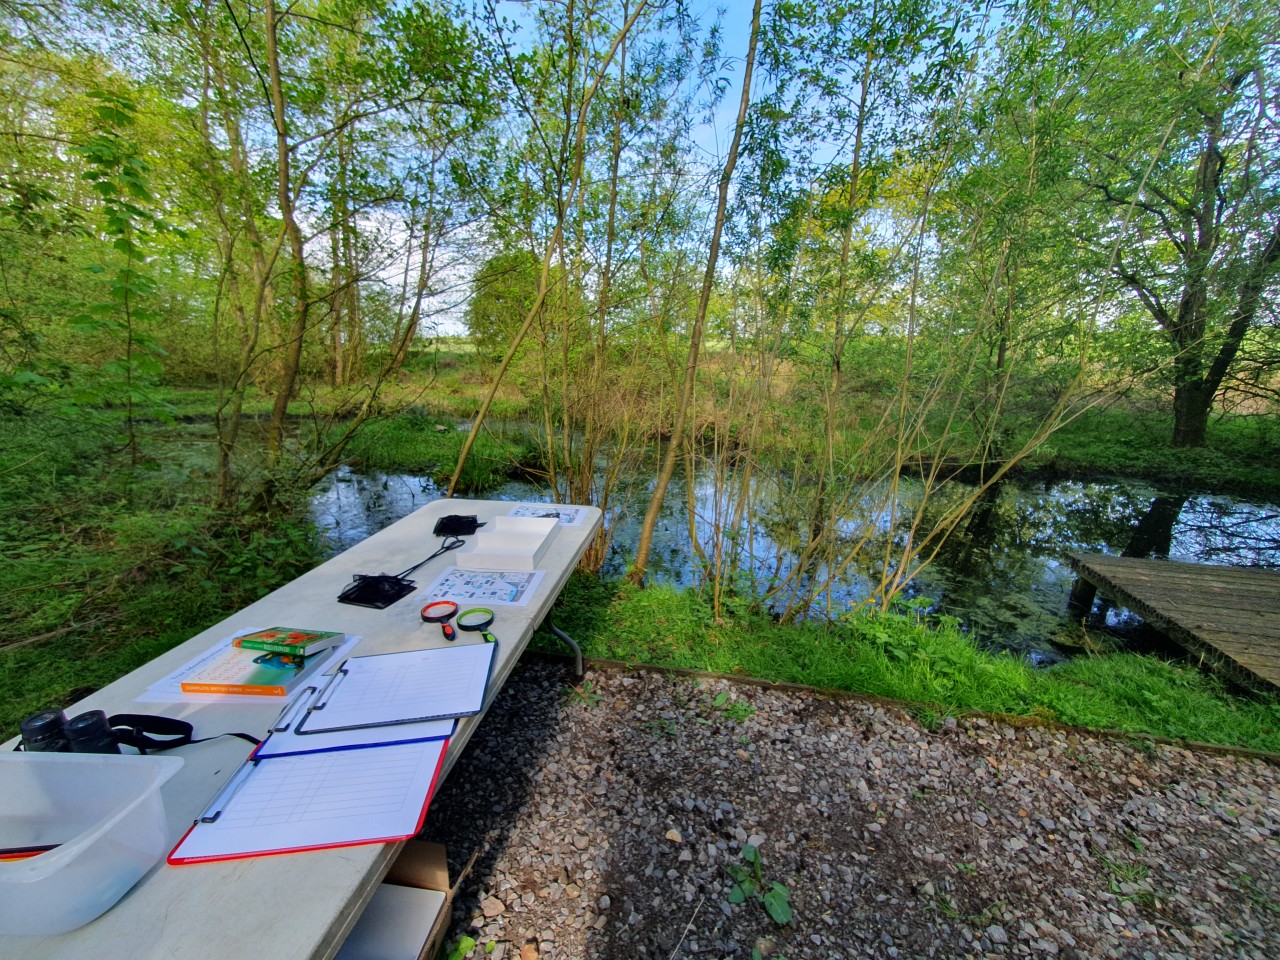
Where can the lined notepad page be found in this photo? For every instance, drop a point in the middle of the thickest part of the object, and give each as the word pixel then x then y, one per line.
pixel 399 687
pixel 321 800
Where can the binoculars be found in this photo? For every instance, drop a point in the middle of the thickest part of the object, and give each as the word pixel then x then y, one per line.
pixel 49 731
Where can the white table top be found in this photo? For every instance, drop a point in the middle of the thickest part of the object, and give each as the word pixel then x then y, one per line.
pixel 299 905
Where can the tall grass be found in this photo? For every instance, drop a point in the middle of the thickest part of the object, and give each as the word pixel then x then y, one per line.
pixel 107 566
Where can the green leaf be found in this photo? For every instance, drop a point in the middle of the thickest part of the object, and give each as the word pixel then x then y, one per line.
pixel 721 699
pixel 461 947
pixel 777 902
pixel 737 894
pixel 750 853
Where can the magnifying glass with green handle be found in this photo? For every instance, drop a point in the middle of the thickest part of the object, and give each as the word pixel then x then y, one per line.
pixel 477 620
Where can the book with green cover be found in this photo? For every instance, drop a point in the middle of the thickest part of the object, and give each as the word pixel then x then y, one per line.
pixel 251 672
pixel 289 641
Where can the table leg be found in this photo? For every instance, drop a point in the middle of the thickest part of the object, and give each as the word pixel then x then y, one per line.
pixel 570 642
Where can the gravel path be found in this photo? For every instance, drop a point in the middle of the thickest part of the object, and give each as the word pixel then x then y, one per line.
pixel 611 823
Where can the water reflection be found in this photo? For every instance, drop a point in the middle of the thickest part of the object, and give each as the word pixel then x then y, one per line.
pixel 1002 573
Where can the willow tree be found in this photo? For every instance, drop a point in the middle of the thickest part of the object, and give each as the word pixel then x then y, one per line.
pixel 1176 154
pixel 689 380
pixel 555 89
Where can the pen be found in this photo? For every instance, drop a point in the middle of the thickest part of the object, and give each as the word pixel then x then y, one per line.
pixel 214 810
pixel 23 853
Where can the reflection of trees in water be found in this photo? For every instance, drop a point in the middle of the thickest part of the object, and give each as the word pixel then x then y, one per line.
pixel 1153 533
pixel 1000 571
pixel 1222 530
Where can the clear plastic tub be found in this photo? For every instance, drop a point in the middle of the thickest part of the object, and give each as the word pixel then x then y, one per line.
pixel 106 815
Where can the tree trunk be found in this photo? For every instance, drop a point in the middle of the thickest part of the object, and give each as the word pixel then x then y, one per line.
pixel 1190 414
pixel 699 320
pixel 284 192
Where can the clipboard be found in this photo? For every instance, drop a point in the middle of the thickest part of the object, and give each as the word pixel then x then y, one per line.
pixel 287 742
pixel 391 689
pixel 317 801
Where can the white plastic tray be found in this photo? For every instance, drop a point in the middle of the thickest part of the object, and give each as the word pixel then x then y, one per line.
pixel 106 815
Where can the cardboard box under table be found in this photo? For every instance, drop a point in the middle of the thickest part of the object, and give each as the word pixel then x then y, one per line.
pixel 296 906
pixel 409 914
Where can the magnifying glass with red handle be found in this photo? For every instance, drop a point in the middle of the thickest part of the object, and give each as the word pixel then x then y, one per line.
pixel 441 612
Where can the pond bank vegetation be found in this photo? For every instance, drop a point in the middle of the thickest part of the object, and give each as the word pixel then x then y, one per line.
pixel 903 656
pixel 109 567
pixel 929 251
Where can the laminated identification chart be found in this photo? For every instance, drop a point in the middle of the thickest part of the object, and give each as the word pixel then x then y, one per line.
pixel 505 587
pixel 317 800
pixel 568 516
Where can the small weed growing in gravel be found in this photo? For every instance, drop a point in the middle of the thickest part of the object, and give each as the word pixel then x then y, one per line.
pixel 1126 872
pixel 927 717
pixel 585 694
pixel 748 882
pixel 737 711
pixel 1249 887
pixel 460 948
pixel 662 727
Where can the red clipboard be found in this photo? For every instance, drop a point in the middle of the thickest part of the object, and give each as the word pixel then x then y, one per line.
pixel 317 801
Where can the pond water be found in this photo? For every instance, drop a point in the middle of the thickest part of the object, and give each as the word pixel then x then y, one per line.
pixel 1003 572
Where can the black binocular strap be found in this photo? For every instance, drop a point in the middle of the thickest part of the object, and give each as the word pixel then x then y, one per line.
pixel 139 730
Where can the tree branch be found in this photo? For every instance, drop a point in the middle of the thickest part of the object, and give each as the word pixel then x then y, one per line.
pixel 1242 317
pixel 1155 211
pixel 1150 298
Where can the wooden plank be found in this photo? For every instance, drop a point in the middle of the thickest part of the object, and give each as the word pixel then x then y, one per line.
pixel 1228 615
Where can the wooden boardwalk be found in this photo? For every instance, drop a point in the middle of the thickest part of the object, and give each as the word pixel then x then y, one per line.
pixel 1229 616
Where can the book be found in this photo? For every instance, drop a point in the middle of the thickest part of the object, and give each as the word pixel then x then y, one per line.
pixel 248 672
pixel 289 640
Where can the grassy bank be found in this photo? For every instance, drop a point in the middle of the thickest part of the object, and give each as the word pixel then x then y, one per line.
pixel 414 442
pixel 1241 455
pixel 108 564
pixel 899 657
